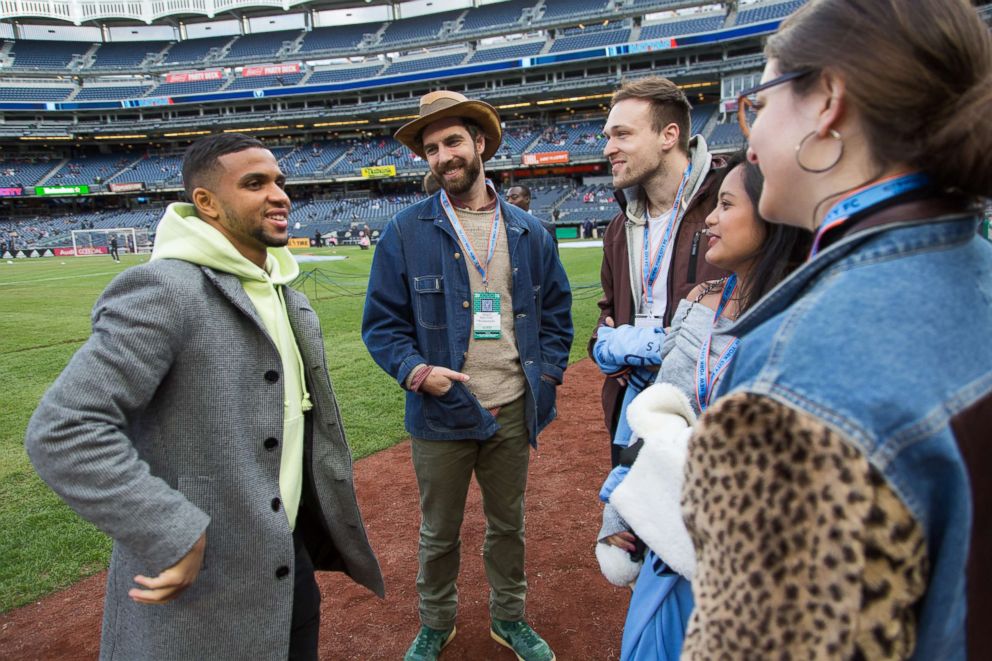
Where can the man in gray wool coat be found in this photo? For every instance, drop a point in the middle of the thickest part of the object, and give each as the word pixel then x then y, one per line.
pixel 198 428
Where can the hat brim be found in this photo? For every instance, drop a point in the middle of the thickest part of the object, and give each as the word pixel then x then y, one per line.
pixel 480 112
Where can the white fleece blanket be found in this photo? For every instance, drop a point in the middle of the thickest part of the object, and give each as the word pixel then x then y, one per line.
pixel 649 498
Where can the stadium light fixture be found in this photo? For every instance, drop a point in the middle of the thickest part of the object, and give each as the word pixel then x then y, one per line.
pixel 126 136
pixel 399 118
pixel 508 106
pixel 255 129
pixel 183 134
pixel 573 99
pixel 46 137
pixel 353 122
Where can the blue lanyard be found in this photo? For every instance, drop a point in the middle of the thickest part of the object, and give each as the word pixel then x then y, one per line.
pixel 865 198
pixel 649 273
pixel 449 210
pixel 706 380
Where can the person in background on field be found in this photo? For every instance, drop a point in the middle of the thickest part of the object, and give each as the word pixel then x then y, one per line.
pixel 113 249
pixel 519 196
pixel 197 427
pixel 837 488
pixel 643 505
pixel 469 309
pixel 666 184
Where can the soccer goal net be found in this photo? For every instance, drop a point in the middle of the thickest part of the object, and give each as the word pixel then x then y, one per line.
pixel 86 243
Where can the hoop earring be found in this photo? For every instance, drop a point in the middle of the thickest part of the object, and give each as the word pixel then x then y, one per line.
pixel 799 148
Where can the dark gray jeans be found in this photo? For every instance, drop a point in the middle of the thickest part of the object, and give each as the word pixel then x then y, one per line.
pixel 444 470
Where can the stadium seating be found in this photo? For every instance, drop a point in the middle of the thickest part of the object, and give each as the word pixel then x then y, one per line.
pixel 422 29
pixel 108 92
pixel 344 73
pixel 311 159
pixel 177 89
pixel 35 93
pixel 507 52
pixel 88 169
pixel 518 137
pixel 499 15
pixel 16 172
pixel 157 170
pixel 768 12
pixel 595 203
pixel 424 64
pixel 38 54
pixel 261 82
pixel 726 136
pixel 577 138
pixel 337 38
pixel 194 50
pixel 559 10
pixel 126 54
pixel 679 28
pixel 263 44
pixel 699 116
pixel 365 153
pixel 590 39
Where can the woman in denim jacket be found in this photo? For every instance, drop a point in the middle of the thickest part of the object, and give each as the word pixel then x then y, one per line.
pixel 834 490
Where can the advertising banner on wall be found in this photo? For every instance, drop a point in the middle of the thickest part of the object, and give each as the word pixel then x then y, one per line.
pixel 299 243
pixel 194 76
pixel 11 191
pixel 127 187
pixel 82 250
pixel 270 69
pixel 545 158
pixel 379 171
pixel 50 191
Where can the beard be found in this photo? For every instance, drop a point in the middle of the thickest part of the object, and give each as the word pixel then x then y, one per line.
pixel 256 231
pixel 463 183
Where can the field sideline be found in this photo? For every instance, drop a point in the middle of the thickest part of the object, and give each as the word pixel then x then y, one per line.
pixel 46 306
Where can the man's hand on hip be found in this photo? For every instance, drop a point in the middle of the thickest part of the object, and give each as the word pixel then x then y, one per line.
pixel 173 581
pixel 440 381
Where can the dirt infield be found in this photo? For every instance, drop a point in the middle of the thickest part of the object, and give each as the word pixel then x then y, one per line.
pixel 569 602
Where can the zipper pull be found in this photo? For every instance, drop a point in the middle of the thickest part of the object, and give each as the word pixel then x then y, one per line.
pixel 693 255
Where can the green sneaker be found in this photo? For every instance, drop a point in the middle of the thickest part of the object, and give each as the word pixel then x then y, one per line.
pixel 428 644
pixel 523 640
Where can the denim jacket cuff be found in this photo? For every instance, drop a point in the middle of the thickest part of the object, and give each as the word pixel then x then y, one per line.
pixel 407 366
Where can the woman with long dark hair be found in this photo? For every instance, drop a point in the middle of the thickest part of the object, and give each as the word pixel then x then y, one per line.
pixel 834 489
pixel 644 508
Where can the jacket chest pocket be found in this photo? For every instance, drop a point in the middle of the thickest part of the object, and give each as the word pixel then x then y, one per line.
pixel 429 303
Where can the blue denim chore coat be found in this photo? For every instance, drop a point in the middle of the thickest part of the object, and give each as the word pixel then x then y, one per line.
pixel 884 336
pixel 418 310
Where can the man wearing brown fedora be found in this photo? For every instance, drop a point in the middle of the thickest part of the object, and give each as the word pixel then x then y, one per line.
pixel 469 309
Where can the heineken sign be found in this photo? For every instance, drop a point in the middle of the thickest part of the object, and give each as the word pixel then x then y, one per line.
pixel 49 191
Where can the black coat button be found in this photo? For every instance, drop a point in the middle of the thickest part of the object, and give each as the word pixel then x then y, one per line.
pixel 282 572
pixel 272 376
pixel 275 504
pixel 270 443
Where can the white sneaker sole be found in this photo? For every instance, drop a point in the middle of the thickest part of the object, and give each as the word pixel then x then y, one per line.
pixel 502 641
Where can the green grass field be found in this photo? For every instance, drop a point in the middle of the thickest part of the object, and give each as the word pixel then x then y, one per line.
pixel 45 307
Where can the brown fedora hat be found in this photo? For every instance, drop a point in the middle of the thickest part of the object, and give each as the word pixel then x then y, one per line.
pixel 443 104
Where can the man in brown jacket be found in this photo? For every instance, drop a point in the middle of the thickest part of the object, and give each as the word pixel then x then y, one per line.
pixel 666 185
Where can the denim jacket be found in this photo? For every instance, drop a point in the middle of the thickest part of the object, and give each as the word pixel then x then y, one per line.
pixel 418 310
pixel 884 337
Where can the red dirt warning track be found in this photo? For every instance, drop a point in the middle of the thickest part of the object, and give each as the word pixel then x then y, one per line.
pixel 569 602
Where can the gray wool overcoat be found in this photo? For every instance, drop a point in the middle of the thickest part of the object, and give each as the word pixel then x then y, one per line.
pixel 167 423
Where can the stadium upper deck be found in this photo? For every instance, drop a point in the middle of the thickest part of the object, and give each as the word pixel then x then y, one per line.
pixel 146 73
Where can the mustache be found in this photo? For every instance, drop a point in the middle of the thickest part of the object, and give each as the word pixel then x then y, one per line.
pixel 456 162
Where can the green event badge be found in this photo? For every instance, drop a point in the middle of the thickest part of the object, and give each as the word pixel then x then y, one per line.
pixel 485 315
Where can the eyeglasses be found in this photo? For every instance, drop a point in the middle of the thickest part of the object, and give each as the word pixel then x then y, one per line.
pixel 747 100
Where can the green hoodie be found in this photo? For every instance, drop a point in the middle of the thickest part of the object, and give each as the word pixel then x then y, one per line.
pixel 182 235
